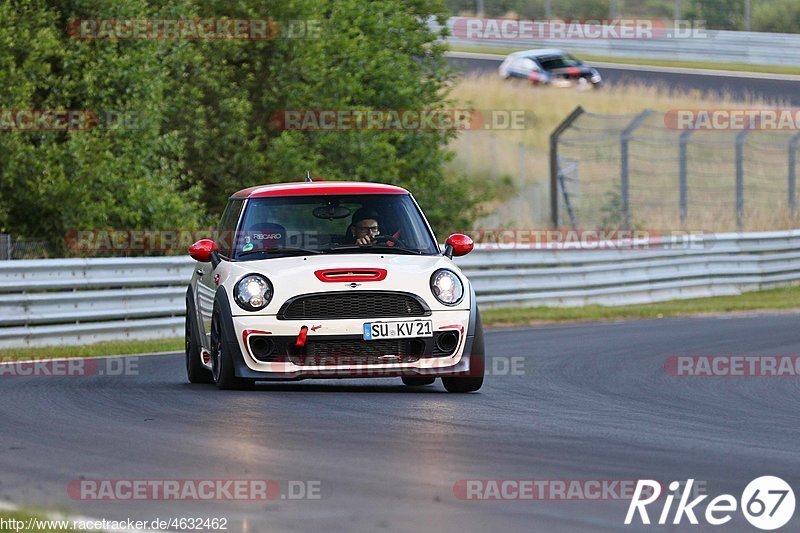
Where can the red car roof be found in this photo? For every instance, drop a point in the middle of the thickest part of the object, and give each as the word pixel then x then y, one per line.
pixel 311 188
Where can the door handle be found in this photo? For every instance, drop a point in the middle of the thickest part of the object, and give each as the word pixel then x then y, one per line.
pixel 199 272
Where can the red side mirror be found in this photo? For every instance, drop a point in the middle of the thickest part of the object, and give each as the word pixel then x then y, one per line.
pixel 458 244
pixel 202 250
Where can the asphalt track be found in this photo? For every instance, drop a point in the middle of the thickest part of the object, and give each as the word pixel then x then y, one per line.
pixel 738 86
pixel 585 402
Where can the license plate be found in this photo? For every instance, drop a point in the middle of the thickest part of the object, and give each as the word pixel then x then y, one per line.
pixel 398 330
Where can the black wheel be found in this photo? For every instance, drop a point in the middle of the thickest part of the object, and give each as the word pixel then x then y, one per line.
pixel 221 362
pixel 474 378
pixel 195 370
pixel 418 381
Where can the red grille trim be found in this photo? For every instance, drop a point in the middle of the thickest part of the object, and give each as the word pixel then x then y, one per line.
pixel 333 275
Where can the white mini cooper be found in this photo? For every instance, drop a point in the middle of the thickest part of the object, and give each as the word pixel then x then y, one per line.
pixel 330 280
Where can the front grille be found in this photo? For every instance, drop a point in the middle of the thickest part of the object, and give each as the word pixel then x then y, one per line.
pixel 356 351
pixel 361 304
pixel 321 348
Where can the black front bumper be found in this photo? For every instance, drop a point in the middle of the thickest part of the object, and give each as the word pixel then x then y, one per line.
pixel 460 368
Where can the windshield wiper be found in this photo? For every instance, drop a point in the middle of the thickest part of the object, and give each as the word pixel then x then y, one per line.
pixel 279 251
pixel 372 249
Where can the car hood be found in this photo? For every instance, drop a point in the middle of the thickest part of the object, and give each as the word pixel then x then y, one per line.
pixel 294 276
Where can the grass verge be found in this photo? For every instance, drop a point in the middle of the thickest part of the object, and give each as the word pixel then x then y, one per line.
pixel 550 105
pixel 766 300
pixel 593 148
pixel 94 350
pixel 677 63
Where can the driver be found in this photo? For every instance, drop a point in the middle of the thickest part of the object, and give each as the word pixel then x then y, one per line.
pixel 364 227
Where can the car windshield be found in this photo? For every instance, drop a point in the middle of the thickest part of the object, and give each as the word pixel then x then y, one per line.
pixel 554 62
pixel 330 224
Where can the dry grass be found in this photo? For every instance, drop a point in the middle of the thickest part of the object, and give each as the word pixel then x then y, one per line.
pixel 93 350
pixel 551 105
pixel 594 144
pixel 764 301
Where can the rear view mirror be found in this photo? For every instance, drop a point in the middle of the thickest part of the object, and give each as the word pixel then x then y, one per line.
pixel 201 250
pixel 331 212
pixel 457 245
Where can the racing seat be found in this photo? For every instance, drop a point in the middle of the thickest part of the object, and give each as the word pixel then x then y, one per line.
pixel 263 236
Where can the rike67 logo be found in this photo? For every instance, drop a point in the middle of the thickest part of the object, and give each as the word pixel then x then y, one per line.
pixel 767 503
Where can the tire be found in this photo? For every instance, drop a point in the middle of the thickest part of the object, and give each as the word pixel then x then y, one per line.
pixel 474 380
pixel 222 370
pixel 414 381
pixel 195 370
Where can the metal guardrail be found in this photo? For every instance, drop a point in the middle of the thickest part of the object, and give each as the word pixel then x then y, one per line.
pixel 81 301
pixel 754 48
pixel 78 301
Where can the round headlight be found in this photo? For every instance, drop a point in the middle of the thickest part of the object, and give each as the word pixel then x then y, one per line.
pixel 253 292
pixel 446 286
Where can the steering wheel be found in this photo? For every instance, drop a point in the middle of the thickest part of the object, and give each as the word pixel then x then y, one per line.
pixel 386 239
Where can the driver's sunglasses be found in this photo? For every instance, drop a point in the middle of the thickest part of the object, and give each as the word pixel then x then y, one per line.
pixel 371 229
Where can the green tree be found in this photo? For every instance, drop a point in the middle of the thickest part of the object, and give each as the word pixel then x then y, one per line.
pixel 112 175
pixel 718 14
pixel 203 110
pixel 778 16
pixel 366 56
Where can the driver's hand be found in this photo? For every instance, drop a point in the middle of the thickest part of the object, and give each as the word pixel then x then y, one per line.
pixel 367 239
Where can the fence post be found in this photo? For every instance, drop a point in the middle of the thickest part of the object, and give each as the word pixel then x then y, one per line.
pixel 567 202
pixel 624 138
pixel 793 142
pixel 741 138
pixel 554 136
pixel 683 181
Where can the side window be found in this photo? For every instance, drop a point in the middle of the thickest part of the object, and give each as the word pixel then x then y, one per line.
pixel 526 64
pixel 224 235
pixel 530 65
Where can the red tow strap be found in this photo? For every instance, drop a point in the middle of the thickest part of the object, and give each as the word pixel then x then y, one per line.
pixel 301 339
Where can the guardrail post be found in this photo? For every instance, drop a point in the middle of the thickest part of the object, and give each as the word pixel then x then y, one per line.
pixel 554 137
pixel 624 138
pixel 683 181
pixel 793 142
pixel 741 138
